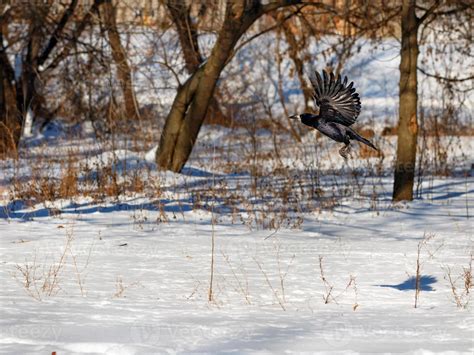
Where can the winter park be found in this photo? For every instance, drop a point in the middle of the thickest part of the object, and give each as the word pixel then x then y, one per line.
pixel 236 176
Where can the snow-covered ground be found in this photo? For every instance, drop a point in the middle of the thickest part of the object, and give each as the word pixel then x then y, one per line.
pixel 132 285
pixel 332 273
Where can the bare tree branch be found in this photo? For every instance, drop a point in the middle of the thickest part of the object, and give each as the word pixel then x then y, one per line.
pixel 463 5
pixel 94 10
pixel 443 78
pixel 53 41
pixel 269 29
pixel 429 12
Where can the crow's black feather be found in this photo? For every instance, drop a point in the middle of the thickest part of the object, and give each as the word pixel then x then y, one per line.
pixel 337 102
pixel 339 106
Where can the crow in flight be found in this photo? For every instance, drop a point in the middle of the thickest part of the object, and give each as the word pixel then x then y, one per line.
pixel 339 106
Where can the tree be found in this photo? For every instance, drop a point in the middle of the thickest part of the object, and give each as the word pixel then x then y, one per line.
pixel 192 99
pixel 37 57
pixel 408 101
pixel 407 124
pixel 187 33
pixel 43 41
pixel 294 47
pixel 10 124
pixel 188 39
pixel 119 55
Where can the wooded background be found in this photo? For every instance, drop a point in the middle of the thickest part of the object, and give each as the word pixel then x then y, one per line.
pixel 71 61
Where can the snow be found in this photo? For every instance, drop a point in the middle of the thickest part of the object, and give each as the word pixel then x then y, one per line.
pixel 18 66
pixel 165 270
pixel 132 273
pixel 28 125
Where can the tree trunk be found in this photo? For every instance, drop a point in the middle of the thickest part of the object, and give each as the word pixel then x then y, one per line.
pixel 188 39
pixel 17 86
pixel 190 106
pixel 29 99
pixel 192 99
pixel 293 49
pixel 408 124
pixel 124 72
pixel 10 124
pixel 187 34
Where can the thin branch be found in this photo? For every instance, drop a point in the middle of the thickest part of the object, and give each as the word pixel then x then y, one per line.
pixel 429 12
pixel 284 3
pixel 93 11
pixel 439 77
pixel 463 6
pixel 275 5
pixel 269 29
pixel 53 41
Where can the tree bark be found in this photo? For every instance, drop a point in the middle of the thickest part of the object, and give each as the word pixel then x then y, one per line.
pixel 29 100
pixel 10 123
pixel 190 106
pixel 187 34
pixel 408 123
pixel 188 39
pixel 124 72
pixel 192 99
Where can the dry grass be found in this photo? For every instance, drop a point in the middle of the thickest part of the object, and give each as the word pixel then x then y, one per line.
pixel 329 295
pixel 461 284
pixel 45 279
pixel 263 178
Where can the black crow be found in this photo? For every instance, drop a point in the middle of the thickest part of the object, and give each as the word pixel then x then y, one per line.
pixel 339 106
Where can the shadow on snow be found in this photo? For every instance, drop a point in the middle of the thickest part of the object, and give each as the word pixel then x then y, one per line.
pixel 410 284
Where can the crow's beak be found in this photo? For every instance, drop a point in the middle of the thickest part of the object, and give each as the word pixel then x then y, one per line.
pixel 294 117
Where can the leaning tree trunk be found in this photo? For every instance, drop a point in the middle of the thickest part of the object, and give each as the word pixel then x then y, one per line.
pixel 190 105
pixel 192 100
pixel 408 124
pixel 124 72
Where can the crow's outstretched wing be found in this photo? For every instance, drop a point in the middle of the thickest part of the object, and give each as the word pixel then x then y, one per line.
pixel 337 101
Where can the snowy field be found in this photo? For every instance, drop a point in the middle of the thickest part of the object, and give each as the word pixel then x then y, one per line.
pixel 294 270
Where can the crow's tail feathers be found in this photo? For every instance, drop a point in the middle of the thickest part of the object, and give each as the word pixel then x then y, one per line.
pixel 363 140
